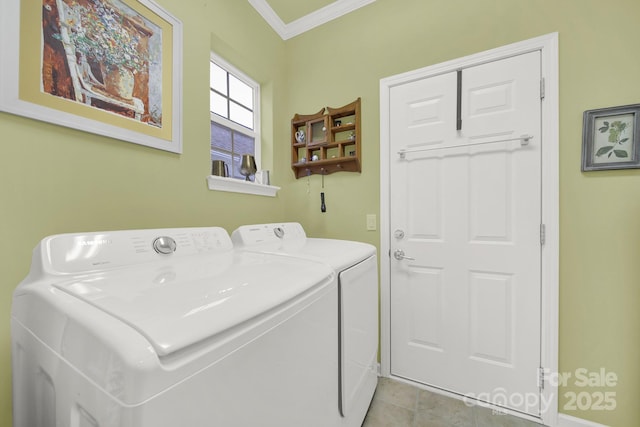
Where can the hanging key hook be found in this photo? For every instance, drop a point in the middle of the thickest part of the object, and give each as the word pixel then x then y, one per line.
pixel 323 206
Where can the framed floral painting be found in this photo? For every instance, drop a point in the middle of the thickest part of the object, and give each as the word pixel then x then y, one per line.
pixel 110 67
pixel 611 138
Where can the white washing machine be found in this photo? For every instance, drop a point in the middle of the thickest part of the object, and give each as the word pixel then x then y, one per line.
pixel 172 327
pixel 356 266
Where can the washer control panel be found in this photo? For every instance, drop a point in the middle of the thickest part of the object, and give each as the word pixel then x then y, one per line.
pixel 75 253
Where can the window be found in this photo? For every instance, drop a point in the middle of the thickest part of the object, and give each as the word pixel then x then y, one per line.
pixel 234 101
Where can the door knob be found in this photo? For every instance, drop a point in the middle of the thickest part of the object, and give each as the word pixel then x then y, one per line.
pixel 399 255
pixel 398 234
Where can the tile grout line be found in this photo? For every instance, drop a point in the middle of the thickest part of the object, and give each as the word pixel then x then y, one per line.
pixel 415 408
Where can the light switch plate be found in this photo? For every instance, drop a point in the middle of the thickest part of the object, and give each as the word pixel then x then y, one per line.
pixel 371 222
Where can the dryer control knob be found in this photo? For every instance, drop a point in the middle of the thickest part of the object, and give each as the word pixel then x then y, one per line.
pixel 279 232
pixel 164 245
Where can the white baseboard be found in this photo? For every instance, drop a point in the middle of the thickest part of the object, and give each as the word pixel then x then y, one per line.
pixel 569 421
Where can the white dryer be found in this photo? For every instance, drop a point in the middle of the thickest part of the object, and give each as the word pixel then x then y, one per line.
pixel 172 327
pixel 355 264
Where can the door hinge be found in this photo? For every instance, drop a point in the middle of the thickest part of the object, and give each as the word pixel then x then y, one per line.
pixel 542 88
pixel 541 378
pixel 543 234
pixel 459 102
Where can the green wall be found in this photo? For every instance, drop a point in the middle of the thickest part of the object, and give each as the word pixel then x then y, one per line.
pixel 599 211
pixel 55 180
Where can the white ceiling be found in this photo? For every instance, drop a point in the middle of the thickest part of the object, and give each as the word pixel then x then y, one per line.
pixel 290 18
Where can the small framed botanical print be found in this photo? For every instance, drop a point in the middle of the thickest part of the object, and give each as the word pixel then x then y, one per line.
pixel 611 138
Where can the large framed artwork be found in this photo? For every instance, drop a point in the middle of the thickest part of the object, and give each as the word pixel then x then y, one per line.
pixel 109 67
pixel 611 138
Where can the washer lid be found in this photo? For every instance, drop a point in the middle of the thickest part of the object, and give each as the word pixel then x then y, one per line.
pixel 178 304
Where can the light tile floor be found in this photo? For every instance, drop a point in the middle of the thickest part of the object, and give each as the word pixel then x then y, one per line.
pixel 396 404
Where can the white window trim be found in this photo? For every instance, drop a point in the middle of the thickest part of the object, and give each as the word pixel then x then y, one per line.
pixel 233 184
pixel 255 132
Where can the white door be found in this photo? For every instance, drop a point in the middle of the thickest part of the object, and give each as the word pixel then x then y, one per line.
pixel 465 209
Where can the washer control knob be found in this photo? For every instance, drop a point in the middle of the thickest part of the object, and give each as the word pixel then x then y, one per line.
pixel 279 232
pixel 164 245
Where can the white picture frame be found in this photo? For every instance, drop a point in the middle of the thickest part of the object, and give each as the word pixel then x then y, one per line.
pixel 29 41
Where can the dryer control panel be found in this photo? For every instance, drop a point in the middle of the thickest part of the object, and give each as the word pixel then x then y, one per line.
pixel 252 235
pixel 86 252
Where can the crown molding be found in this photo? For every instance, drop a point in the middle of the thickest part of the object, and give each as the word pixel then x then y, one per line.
pixel 307 22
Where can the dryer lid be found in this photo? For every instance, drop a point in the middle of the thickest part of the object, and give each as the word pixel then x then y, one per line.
pixel 179 304
pixel 290 238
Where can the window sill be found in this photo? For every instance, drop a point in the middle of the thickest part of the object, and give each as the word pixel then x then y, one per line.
pixel 239 186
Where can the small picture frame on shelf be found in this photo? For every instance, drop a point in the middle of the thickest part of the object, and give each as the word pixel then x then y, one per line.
pixel 611 138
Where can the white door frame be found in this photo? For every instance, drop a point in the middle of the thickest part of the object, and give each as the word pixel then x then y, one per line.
pixel 548 45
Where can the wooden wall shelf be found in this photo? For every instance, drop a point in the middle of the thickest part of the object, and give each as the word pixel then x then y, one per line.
pixel 331 136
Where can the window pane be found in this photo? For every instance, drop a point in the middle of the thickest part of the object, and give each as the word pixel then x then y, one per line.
pixel 217 78
pixel 218 104
pixel 243 144
pixel 225 157
pixel 240 115
pixel 221 138
pixel 235 170
pixel 219 155
pixel 240 92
